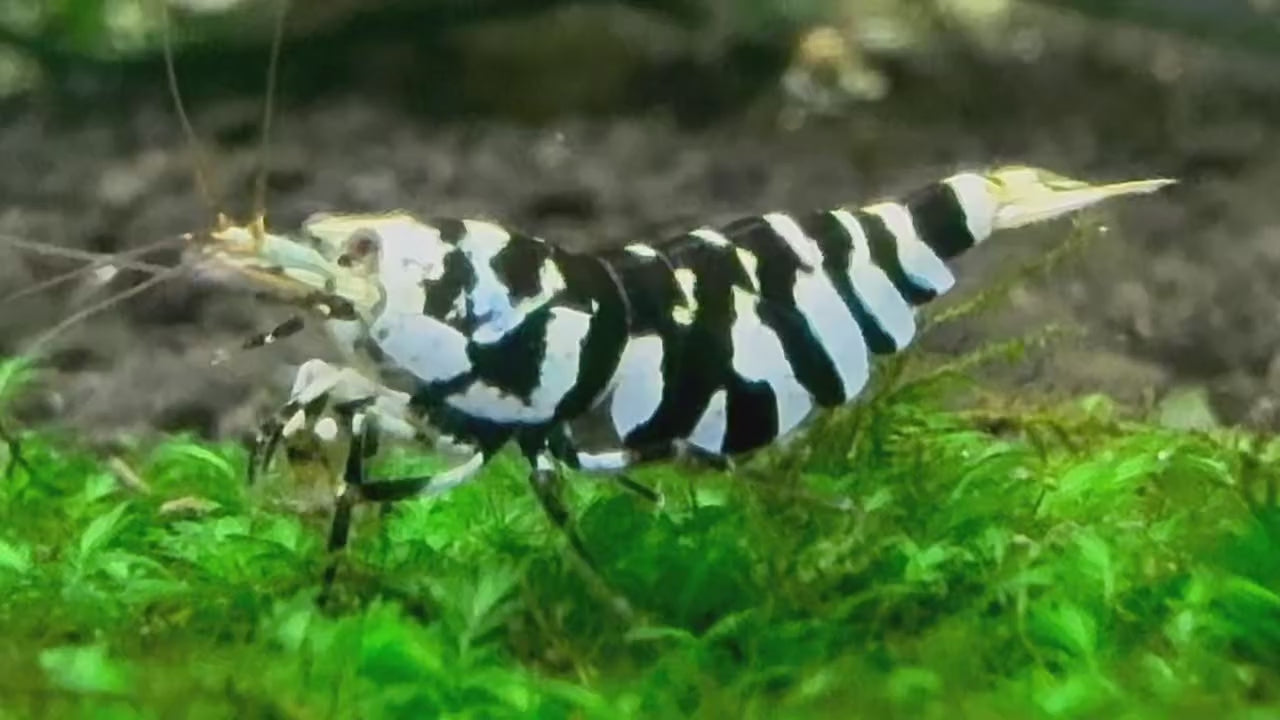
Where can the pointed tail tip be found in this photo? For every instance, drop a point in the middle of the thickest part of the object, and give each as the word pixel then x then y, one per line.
pixel 1139 187
pixel 1045 202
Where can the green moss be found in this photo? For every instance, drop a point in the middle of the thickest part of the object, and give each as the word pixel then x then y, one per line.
pixel 906 561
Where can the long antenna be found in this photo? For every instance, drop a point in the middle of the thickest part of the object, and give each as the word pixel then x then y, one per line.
pixel 121 259
pixel 268 109
pixel 199 164
pixel 98 307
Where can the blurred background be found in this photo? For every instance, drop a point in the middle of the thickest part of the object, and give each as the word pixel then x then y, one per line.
pixel 597 122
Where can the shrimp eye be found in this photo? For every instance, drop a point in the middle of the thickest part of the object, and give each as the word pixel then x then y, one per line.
pixel 359 248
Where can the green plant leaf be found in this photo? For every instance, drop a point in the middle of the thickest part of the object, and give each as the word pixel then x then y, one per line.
pixel 84 669
pixel 101 531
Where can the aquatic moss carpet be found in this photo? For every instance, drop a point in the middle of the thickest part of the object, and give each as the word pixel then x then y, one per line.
pixel 904 560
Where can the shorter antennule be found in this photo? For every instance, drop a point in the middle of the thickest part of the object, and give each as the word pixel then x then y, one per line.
pixel 200 165
pixel 268 110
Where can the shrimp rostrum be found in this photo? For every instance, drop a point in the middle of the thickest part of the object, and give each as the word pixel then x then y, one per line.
pixel 705 346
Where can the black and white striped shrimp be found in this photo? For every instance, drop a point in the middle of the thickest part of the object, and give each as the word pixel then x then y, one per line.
pixel 708 345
